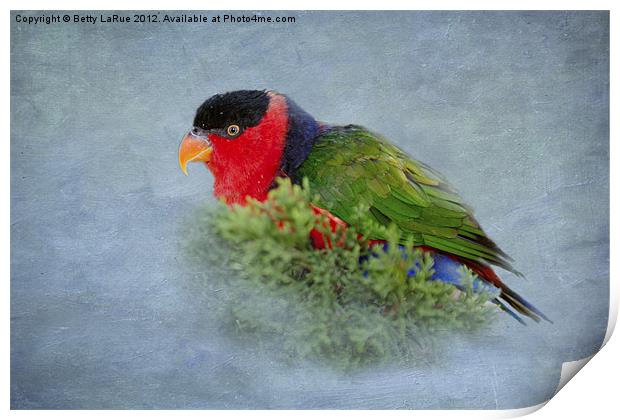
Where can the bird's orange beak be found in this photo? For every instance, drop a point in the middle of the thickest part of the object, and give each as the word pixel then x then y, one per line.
pixel 194 148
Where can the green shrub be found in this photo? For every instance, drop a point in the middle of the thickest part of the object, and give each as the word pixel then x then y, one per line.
pixel 350 304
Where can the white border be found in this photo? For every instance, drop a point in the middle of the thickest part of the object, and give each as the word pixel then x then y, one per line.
pixel 594 393
pixel 313 5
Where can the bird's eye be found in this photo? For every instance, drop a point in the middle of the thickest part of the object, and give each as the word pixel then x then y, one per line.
pixel 233 130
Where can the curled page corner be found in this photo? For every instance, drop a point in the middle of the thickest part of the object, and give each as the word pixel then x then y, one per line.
pixel 570 369
pixel 613 312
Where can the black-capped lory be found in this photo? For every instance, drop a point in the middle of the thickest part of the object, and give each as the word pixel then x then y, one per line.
pixel 248 138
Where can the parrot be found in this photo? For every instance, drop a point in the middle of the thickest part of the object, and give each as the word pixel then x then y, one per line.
pixel 250 138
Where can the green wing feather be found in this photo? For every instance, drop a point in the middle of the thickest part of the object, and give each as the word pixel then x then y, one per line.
pixel 350 166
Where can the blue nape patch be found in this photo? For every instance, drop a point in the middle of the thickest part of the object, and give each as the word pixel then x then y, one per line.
pixel 302 133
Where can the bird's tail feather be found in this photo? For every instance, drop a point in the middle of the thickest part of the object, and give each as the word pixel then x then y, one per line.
pixel 445 271
pixel 522 305
pixel 511 297
pixel 509 311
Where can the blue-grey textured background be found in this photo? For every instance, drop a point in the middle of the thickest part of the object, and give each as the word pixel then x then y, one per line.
pixel 511 106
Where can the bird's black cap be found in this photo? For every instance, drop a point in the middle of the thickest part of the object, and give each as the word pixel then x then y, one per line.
pixel 242 107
